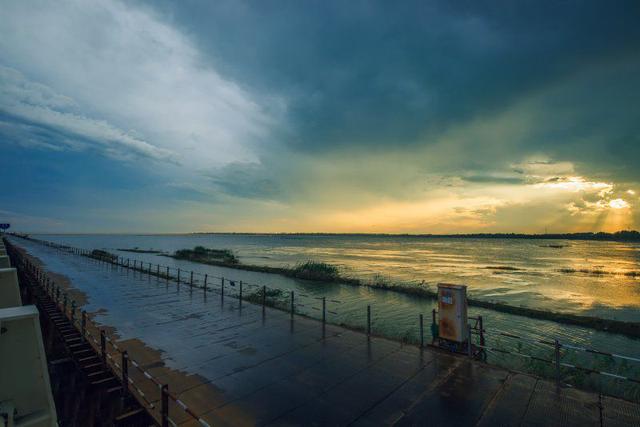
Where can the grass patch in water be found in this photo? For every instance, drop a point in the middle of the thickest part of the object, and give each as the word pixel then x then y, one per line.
pixel 502 267
pixel 591 272
pixel 206 255
pixel 100 254
pixel 312 270
pixel 137 250
pixel 272 298
pixel 309 270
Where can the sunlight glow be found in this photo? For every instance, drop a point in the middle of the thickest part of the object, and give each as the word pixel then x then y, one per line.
pixel 618 204
pixel 575 184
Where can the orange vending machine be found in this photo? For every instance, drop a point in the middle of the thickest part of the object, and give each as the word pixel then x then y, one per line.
pixel 452 312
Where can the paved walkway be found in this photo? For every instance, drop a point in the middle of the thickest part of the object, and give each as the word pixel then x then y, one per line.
pixel 235 364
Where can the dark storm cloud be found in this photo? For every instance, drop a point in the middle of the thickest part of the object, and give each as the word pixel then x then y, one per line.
pixel 332 115
pixel 488 179
pixel 388 73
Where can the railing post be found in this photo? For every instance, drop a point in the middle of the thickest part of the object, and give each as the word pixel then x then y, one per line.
pixel 222 289
pixel 556 345
pixel 191 280
pixel 368 320
pixel 83 325
pixel 421 331
pixel 264 297
pixel 469 343
pixel 205 282
pixel 292 304
pixel 167 273
pixel 434 326
pixel 73 311
pixel 324 309
pixel 103 347
pixel 149 269
pixel 240 297
pixel 481 326
pixel 178 277
pixel 164 406
pixel 158 270
pixel 125 372
pixel 64 305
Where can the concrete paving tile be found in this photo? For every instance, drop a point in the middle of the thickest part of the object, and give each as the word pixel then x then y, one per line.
pixel 510 403
pixel 618 413
pixel 320 413
pixel 458 400
pixel 272 402
pixel 553 406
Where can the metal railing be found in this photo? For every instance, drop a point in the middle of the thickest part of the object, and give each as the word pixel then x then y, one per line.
pixel 100 344
pixel 556 362
pixel 291 302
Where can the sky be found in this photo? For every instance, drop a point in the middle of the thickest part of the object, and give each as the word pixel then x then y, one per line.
pixel 319 116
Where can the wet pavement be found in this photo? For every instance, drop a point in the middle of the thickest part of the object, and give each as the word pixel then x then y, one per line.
pixel 237 363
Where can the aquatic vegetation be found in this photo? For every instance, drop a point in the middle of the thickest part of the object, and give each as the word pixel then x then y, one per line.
pixel 275 298
pixel 205 255
pixel 421 289
pixel 598 272
pixel 309 270
pixel 312 270
pixel 137 250
pixel 100 254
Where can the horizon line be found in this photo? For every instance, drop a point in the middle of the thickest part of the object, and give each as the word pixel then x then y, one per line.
pixel 322 233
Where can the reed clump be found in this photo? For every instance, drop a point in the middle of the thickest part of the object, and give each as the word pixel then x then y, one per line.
pixel 206 255
pixel 312 270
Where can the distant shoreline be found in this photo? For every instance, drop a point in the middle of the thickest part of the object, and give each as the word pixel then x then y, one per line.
pixel 625 236
pixel 619 236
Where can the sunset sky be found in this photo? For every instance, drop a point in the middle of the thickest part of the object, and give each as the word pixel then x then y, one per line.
pixel 305 116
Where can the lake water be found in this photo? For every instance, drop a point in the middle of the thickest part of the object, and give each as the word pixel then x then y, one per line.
pixel 517 272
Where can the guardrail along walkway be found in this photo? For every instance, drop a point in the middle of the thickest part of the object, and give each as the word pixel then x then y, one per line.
pixel 229 362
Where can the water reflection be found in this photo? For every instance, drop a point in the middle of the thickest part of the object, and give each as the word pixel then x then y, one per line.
pixel 591 278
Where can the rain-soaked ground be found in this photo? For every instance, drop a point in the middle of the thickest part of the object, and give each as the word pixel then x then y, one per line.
pixel 240 364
